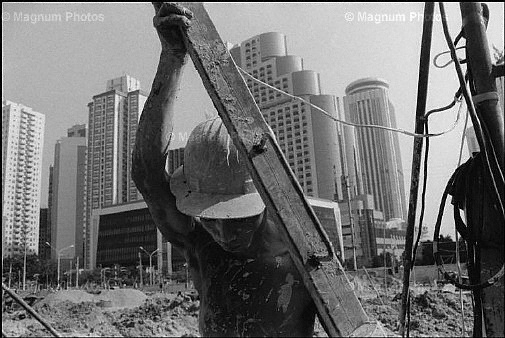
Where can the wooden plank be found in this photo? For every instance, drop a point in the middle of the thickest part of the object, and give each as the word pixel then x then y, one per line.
pixel 310 248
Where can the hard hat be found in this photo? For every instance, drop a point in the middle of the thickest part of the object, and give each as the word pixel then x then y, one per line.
pixel 214 181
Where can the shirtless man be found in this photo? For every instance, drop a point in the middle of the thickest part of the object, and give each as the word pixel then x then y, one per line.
pixel 210 210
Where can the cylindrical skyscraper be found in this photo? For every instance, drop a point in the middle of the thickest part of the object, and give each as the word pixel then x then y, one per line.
pixel 374 155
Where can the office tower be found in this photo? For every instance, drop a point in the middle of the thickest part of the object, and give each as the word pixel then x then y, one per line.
pixel 306 136
pixel 78 130
pixel 113 121
pixel 67 190
pixel 373 155
pixel 44 232
pixel 22 143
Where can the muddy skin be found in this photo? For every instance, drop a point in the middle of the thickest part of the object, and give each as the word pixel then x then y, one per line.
pixel 257 292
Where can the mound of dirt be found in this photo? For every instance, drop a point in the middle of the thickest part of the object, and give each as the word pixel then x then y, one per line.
pixel 114 313
pixel 121 298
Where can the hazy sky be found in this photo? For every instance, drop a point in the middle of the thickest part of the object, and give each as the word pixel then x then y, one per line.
pixel 56 66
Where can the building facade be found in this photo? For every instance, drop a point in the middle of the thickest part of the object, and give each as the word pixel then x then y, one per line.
pixel 372 235
pixel 373 155
pixel 22 146
pixel 306 136
pixel 121 231
pixel 68 193
pixel 113 121
pixel 44 235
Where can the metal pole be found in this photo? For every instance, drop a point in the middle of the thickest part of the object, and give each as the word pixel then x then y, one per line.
pixel 58 278
pixel 10 274
pixel 422 89
pixel 24 268
pixel 353 239
pixel 77 273
pixel 30 310
pixel 150 270
pixel 385 263
pixel 140 268
pixel 491 118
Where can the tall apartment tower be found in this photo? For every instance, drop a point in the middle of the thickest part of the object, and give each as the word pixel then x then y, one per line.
pixel 373 156
pixel 306 136
pixel 113 121
pixel 68 187
pixel 22 145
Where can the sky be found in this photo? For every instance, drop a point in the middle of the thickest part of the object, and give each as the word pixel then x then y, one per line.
pixel 56 65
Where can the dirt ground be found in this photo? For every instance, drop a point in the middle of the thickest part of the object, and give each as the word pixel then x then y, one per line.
pixel 132 313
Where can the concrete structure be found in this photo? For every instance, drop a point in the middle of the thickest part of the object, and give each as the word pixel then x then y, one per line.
pixel 113 121
pixel 68 194
pixel 373 156
pixel 365 219
pixel 22 145
pixel 372 233
pixel 307 137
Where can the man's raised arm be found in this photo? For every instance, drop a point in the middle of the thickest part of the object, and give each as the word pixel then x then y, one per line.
pixel 156 123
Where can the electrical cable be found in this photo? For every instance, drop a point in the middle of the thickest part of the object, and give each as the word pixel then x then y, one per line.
pixel 481 137
pixel 450 61
pixel 398 130
pixel 461 171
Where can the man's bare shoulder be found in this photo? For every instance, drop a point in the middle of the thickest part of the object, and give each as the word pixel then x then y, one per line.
pixel 163 208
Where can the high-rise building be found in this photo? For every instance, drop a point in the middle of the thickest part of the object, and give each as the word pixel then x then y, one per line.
pixel 373 156
pixel 307 137
pixel 44 232
pixel 22 144
pixel 78 130
pixel 113 121
pixel 68 198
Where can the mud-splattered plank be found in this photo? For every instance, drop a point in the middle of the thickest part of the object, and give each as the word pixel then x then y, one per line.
pixel 310 248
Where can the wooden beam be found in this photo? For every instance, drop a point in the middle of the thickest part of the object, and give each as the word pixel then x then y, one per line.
pixel 339 310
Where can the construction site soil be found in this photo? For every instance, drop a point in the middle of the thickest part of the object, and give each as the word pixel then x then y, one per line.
pixel 434 312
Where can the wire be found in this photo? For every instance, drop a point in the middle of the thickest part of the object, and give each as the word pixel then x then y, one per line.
pixel 398 130
pixel 450 61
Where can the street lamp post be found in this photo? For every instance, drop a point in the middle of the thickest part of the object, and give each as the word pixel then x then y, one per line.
pixel 151 279
pixel 58 252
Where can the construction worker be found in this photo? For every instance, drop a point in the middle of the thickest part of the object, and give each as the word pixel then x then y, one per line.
pixel 210 210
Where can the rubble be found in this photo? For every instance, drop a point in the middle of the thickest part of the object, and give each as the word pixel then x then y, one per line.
pixel 132 313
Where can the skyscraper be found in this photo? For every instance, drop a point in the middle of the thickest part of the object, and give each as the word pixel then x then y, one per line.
pixel 307 137
pixel 113 121
pixel 22 143
pixel 68 187
pixel 373 156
